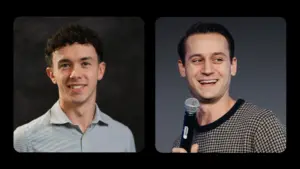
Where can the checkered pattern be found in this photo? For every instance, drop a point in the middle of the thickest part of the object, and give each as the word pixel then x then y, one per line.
pixel 249 129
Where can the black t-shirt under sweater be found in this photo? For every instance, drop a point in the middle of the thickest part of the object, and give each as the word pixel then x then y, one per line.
pixel 245 128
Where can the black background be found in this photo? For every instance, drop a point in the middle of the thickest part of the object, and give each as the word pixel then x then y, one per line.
pixel 120 93
pixel 149 78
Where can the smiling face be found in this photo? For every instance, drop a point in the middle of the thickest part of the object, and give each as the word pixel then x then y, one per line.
pixel 76 71
pixel 207 67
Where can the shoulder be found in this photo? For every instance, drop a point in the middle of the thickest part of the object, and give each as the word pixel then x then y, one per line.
pixel 269 133
pixel 115 124
pixel 254 111
pixel 23 134
pixel 258 116
pixel 120 130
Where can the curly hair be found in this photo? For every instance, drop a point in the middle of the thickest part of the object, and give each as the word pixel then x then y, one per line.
pixel 70 34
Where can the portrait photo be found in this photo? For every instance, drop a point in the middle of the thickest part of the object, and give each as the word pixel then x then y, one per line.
pixel 236 68
pixel 78 84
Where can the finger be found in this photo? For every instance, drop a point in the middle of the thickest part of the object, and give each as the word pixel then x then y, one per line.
pixel 178 150
pixel 194 148
pixel 175 150
pixel 182 150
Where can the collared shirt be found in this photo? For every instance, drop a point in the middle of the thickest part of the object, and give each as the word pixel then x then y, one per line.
pixel 54 132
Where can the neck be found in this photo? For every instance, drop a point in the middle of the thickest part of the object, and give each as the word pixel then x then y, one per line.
pixel 79 114
pixel 210 112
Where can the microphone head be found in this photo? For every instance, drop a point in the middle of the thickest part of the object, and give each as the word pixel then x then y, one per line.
pixel 191 105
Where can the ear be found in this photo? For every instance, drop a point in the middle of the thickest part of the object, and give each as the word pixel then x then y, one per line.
pixel 233 66
pixel 101 70
pixel 50 74
pixel 181 68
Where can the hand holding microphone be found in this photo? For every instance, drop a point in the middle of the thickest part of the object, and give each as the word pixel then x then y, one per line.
pixel 191 106
pixel 194 149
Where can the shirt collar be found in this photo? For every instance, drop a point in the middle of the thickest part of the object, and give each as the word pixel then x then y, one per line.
pixel 57 116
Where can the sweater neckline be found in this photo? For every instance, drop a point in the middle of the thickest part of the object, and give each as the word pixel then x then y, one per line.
pixel 222 119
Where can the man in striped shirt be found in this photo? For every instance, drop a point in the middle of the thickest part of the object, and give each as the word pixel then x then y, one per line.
pixel 75 123
pixel 223 124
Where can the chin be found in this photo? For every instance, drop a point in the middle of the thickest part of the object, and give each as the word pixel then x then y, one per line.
pixel 78 100
pixel 207 98
pixel 207 95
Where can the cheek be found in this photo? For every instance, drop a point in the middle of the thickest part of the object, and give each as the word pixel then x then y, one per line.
pixel 92 75
pixel 193 71
pixel 225 75
pixel 62 77
pixel 191 74
pixel 223 70
pixel 61 81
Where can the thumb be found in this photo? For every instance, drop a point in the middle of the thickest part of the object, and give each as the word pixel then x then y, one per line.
pixel 194 148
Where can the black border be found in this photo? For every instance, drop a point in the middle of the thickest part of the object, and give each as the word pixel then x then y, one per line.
pixel 150 153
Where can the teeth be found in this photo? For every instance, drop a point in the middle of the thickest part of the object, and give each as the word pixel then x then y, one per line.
pixel 208 81
pixel 76 87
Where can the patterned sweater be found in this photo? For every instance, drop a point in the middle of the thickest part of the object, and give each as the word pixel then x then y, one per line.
pixel 245 128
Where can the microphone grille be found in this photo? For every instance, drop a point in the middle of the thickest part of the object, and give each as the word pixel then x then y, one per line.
pixel 191 105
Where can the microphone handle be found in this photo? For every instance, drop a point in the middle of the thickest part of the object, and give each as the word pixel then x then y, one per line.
pixel 187 131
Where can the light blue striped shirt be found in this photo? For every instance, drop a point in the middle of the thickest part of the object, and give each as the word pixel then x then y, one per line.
pixel 54 132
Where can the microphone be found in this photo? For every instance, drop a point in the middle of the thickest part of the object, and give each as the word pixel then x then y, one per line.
pixel 191 106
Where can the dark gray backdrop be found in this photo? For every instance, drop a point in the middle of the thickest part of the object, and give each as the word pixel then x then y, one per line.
pixel 120 92
pixel 261 74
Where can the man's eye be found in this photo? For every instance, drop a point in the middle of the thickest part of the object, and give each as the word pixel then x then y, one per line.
pixel 196 60
pixel 219 60
pixel 64 65
pixel 85 63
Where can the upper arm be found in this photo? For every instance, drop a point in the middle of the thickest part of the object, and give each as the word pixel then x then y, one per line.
pixel 270 136
pixel 20 139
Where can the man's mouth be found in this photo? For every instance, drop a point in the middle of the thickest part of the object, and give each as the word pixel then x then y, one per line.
pixel 208 82
pixel 76 86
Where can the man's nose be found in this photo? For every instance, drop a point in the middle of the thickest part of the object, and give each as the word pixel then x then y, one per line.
pixel 207 68
pixel 76 73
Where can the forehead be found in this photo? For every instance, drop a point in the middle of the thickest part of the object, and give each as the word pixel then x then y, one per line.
pixel 74 52
pixel 206 44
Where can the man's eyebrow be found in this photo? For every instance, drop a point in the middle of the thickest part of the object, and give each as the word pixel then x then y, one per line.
pixel 219 53
pixel 81 59
pixel 63 60
pixel 200 55
pixel 86 58
pixel 195 55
